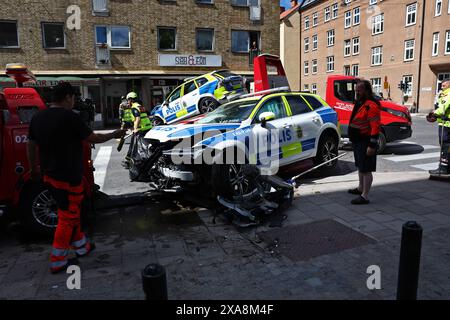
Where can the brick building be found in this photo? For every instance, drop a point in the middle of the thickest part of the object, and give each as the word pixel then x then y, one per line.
pixel 385 42
pixel 148 46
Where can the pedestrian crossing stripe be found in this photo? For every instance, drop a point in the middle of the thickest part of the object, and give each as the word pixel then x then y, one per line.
pixel 427 166
pixel 414 157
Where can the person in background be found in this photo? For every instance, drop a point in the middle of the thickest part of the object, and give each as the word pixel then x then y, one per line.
pixel 442 116
pixel 125 114
pixel 364 130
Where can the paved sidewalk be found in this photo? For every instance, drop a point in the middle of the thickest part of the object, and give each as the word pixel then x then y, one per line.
pixel 206 260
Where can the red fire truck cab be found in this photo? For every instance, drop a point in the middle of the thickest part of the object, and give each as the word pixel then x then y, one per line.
pixel 395 119
pixel 31 201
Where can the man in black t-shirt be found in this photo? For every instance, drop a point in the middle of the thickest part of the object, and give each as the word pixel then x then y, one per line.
pixel 58 133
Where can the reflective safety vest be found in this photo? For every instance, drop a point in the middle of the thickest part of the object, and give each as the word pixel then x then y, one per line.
pixel 443 110
pixel 127 115
pixel 367 121
pixel 145 123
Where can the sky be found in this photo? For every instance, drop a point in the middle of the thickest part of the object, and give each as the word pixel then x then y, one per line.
pixel 285 3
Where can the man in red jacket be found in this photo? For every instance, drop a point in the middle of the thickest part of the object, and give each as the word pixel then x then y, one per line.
pixel 364 130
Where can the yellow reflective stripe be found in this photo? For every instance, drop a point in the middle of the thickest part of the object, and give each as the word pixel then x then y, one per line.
pixel 181 113
pixel 79 243
pixel 287 106
pixel 58 264
pixel 292 150
pixel 59 252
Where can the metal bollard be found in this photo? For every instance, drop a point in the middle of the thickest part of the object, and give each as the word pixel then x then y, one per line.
pixel 154 282
pixel 408 274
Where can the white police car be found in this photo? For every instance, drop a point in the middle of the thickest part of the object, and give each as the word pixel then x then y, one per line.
pixel 198 95
pixel 270 130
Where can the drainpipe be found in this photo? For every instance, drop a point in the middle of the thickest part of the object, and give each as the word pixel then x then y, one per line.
pixel 419 80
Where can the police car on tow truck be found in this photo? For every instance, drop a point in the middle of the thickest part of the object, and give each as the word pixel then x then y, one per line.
pixel 273 128
pixel 198 95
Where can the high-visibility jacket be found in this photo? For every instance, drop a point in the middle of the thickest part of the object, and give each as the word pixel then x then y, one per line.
pixel 145 123
pixel 366 121
pixel 126 115
pixel 443 110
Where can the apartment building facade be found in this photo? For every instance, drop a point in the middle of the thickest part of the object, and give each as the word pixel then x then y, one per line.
pixel 108 47
pixel 384 41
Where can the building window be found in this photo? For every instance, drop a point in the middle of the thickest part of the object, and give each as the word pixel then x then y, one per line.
pixel 306 44
pixel 314 88
pixel 378 24
pixel 411 14
pixel 167 38
pixel 241 40
pixel 306 68
pixel 438 10
pixel 355 70
pixel 330 37
pixel 409 80
pixel 306 87
pixel 315 41
pixel 307 23
pixel 435 44
pixel 53 36
pixel 205 39
pixel 116 37
pixel 9 36
pixel 356 16
pixel 348 19
pixel 372 2
pixel 376 85
pixel 330 64
pixel 347 71
pixel 355 46
pixel 100 7
pixel 409 50
pixel 327 14
pixel 347 48
pixel 335 10
pixel 377 56
pixel 447 42
pixel 315 19
pixel 314 66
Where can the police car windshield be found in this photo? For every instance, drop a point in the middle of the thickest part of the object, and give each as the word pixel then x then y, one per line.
pixel 234 112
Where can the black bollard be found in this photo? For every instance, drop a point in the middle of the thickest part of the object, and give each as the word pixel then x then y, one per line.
pixel 154 282
pixel 408 274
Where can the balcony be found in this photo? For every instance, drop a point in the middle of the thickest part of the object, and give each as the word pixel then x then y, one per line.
pixel 103 56
pixel 100 8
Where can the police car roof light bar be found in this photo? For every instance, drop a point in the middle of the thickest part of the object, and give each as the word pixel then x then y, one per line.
pixel 265 92
pixel 20 73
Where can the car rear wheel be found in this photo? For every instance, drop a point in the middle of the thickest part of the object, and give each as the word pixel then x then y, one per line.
pixel 157 121
pixel 328 149
pixel 381 143
pixel 207 105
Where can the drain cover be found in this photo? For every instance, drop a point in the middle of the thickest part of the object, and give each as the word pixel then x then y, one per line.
pixel 304 242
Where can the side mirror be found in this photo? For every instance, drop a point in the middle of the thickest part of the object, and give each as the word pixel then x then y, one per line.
pixel 266 117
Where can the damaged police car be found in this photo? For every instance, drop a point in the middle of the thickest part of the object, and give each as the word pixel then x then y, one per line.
pixel 269 130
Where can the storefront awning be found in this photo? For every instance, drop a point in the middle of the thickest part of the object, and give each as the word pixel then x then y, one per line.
pixel 53 81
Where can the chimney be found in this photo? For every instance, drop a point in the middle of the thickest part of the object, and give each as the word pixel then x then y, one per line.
pixel 294 3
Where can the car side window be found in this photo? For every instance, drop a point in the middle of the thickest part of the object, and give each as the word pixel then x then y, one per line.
pixel 274 105
pixel 313 102
pixel 298 105
pixel 189 87
pixel 175 94
pixel 201 81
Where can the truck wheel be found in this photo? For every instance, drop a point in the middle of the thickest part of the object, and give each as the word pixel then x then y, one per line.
pixel 328 149
pixel 381 143
pixel 38 210
pixel 207 105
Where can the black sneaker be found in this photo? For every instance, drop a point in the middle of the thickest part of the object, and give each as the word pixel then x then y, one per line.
pixel 355 191
pixel 360 201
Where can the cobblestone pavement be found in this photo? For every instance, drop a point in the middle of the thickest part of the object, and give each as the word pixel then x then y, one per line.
pixel 207 260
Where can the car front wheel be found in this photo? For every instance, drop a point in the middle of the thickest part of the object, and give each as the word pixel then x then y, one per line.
pixel 207 105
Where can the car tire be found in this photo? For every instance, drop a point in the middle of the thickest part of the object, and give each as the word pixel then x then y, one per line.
pixel 37 210
pixel 328 149
pixel 157 121
pixel 207 105
pixel 229 180
pixel 381 143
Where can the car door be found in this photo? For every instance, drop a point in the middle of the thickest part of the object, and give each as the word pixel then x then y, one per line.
pixel 278 134
pixel 189 100
pixel 307 124
pixel 173 105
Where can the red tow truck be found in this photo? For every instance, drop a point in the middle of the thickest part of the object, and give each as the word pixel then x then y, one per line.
pixel 395 119
pixel 20 197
